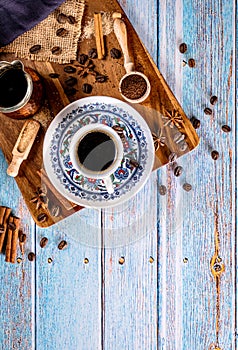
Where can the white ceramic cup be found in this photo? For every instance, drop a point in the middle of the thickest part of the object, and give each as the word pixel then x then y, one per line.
pixel 105 174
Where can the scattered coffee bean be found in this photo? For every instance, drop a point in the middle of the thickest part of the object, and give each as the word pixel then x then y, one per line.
pixel 86 261
pixel 31 256
pixel 22 237
pixel 83 58
pixel 54 75
pixel 172 157
pixel 151 259
pixel 191 63
pixel 43 242
pixel 213 100
pixel 226 128
pixel 19 260
pixel 183 48
pixel 61 18
pixel 56 50
pixel 162 190
pixel 93 53
pixel 215 155
pixel 101 78
pixel 71 81
pixel 195 122
pixel 178 170
pixel 62 32
pixel 121 260
pixel 11 226
pixel 35 49
pixel 42 217
pixel 71 19
pixel 62 245
pixel 184 63
pixel 69 69
pixel 115 53
pixel 87 88
pixel 70 91
pixel 208 111
pixel 50 260
pixel 187 187
pixel 55 211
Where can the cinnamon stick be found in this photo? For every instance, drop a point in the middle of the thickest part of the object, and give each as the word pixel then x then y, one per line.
pixel 99 35
pixel 9 239
pixel 66 204
pixel 4 215
pixel 16 222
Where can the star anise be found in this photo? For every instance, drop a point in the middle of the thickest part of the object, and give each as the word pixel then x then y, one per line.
pixel 85 69
pixel 40 198
pixel 172 118
pixel 158 140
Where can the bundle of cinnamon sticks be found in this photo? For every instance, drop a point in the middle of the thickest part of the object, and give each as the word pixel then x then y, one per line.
pixel 9 229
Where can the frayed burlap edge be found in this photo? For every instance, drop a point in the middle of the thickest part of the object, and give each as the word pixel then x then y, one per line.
pixel 44 34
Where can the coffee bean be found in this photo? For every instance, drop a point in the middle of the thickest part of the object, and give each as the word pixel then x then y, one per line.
pixel 93 53
pixel 11 226
pixel 172 157
pixel 187 187
pixel 70 91
pixel 61 18
pixel 35 49
pixel 178 170
pixel 192 63
pixel 43 242
pixel 56 50
pixel 101 78
pixel 69 69
pixel 195 122
pixel 115 53
pixel 71 81
pixel 54 75
pixel 226 128
pixel 87 88
pixel 82 58
pixel 208 111
pixel 183 48
pixel 71 20
pixel 213 100
pixel 162 190
pixel 31 256
pixel 215 155
pixel 22 237
pixel 42 217
pixel 62 32
pixel 55 211
pixel 62 245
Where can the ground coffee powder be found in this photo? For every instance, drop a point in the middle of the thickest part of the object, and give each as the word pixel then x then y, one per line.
pixel 133 86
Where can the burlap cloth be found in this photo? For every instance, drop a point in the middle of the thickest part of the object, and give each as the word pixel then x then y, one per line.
pixel 44 34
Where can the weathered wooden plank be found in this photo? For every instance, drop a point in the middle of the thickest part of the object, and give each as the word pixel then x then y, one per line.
pixel 17 281
pixel 68 300
pixel 130 241
pixel 196 305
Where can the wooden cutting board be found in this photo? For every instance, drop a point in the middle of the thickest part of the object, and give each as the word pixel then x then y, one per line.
pixel 161 111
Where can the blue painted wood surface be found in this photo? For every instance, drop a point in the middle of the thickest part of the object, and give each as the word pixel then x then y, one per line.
pixel 148 282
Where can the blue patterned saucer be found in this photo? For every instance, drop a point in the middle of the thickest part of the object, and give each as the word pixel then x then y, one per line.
pixel 134 169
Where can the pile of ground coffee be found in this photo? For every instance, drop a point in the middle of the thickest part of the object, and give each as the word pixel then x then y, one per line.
pixel 133 86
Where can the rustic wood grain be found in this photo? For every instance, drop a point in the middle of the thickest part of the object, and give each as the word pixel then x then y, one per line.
pixel 17 281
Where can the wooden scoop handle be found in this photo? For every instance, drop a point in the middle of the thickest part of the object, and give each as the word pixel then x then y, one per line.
pixel 14 166
pixel 121 34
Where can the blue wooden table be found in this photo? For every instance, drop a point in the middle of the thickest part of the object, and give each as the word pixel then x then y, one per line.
pixel 158 272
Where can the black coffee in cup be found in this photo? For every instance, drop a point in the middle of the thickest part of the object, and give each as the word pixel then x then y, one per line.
pixel 96 151
pixel 13 87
